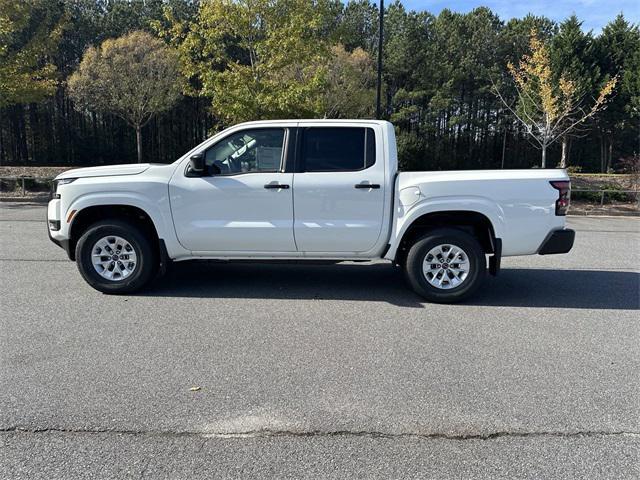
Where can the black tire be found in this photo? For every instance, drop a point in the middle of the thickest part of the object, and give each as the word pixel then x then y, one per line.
pixel 147 262
pixel 417 253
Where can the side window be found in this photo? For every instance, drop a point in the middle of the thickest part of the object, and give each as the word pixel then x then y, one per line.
pixel 258 150
pixel 338 149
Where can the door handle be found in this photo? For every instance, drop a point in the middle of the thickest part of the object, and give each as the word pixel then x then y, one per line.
pixel 366 185
pixel 276 185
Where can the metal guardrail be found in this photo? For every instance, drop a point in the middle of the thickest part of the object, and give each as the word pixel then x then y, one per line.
pixel 604 192
pixel 21 179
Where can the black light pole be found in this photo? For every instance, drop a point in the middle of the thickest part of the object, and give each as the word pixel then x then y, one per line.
pixel 379 92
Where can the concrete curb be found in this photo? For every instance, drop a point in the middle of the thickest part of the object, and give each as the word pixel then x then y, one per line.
pixel 596 215
pixel 43 200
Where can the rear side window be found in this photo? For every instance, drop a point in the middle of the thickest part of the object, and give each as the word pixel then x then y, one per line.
pixel 332 149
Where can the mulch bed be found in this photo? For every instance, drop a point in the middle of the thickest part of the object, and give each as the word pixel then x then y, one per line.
pixel 617 209
pixel 40 172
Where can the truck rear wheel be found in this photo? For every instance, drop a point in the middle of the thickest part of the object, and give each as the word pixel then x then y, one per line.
pixel 115 257
pixel 446 265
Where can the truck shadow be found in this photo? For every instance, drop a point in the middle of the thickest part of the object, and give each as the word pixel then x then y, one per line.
pixel 514 287
pixel 590 289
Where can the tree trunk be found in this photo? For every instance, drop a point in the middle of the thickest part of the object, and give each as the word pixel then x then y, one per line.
pixel 609 152
pixel 504 147
pixel 139 142
pixel 95 136
pixel 565 152
pixel 544 156
pixel 3 155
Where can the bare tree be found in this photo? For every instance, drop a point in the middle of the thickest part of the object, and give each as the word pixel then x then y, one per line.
pixel 548 109
pixel 133 77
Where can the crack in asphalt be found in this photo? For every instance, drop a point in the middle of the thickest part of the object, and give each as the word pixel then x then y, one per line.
pixel 266 433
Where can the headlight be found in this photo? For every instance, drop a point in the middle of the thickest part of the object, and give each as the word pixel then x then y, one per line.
pixel 57 183
pixel 64 181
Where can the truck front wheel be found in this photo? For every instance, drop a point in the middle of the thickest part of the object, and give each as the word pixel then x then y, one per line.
pixel 114 256
pixel 446 265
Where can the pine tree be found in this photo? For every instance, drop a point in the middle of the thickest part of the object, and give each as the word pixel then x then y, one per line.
pixel 573 58
pixel 617 46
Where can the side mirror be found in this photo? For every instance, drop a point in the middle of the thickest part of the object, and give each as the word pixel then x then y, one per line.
pixel 196 162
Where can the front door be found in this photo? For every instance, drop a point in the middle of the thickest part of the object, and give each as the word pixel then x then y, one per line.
pixel 338 189
pixel 246 205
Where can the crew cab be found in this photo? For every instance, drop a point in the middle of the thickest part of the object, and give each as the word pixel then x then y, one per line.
pixel 306 190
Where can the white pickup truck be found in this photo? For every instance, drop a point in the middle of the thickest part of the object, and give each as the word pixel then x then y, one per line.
pixel 306 190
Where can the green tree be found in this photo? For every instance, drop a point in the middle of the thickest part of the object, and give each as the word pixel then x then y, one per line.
pixel 29 34
pixel 406 56
pixel 358 26
pixel 631 83
pixel 464 89
pixel 436 83
pixel 256 59
pixel 350 90
pixel 573 58
pixel 516 35
pixel 133 77
pixel 617 46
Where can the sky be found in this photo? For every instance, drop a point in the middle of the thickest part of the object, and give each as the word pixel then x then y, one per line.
pixel 594 13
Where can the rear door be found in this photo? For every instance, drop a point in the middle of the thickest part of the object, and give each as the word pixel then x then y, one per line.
pixel 338 189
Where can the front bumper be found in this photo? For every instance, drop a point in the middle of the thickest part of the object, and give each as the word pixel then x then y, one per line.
pixel 558 241
pixel 64 244
pixel 56 235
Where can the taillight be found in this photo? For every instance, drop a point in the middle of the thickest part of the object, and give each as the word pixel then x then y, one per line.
pixel 564 196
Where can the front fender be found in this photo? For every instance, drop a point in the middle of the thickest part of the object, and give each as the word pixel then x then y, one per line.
pixel 406 216
pixel 159 212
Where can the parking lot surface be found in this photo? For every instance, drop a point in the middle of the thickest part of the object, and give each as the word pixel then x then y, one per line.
pixel 238 370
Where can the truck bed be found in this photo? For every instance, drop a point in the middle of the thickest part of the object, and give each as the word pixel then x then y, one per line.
pixel 519 203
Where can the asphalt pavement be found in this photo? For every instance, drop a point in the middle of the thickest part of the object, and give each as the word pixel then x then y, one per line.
pixel 306 371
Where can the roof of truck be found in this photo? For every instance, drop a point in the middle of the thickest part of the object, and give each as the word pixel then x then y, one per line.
pixel 316 120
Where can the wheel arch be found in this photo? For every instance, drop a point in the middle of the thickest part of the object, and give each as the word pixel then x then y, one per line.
pixel 84 218
pixel 472 221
